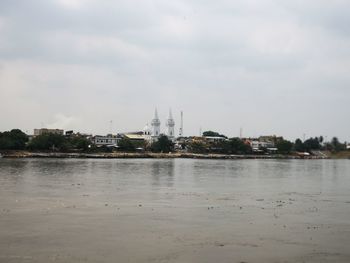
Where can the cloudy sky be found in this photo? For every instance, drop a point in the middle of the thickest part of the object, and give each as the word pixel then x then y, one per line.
pixel 269 66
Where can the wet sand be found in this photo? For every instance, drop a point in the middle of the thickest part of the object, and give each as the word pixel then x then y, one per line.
pixel 55 210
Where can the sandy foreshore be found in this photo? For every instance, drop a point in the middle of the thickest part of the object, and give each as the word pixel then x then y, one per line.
pixel 120 155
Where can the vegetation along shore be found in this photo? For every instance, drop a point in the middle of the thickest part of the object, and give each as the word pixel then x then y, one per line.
pixel 212 145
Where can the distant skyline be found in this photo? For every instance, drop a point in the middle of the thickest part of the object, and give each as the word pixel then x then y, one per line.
pixel 267 66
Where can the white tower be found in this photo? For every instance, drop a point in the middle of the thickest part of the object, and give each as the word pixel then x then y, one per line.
pixel 155 126
pixel 170 123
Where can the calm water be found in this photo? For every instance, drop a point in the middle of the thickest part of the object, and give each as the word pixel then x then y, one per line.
pixel 137 210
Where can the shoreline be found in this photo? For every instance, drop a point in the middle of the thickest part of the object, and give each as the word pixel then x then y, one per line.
pixel 146 155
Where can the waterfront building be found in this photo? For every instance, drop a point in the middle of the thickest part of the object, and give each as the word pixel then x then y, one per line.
pixel 147 133
pixel 109 140
pixel 46 131
pixel 215 139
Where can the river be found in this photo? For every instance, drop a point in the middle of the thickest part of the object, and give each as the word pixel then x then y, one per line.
pixel 174 210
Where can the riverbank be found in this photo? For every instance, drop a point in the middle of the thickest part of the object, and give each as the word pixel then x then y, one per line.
pixel 120 155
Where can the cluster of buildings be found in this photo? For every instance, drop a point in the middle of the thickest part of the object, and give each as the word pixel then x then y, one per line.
pixel 151 133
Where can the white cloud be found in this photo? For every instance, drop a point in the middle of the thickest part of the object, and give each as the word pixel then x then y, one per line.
pixel 226 64
pixel 71 4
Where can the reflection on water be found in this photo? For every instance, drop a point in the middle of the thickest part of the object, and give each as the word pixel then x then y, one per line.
pixel 148 174
pixel 163 173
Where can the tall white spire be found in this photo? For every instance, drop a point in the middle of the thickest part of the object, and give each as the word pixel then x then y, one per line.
pixel 155 125
pixel 170 123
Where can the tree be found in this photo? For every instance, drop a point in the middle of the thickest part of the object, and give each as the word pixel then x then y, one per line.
pixel 79 143
pixel 198 147
pixel 312 144
pixel 126 145
pixel 213 134
pixel 299 146
pixel 321 139
pixel 237 146
pixel 48 141
pixel 336 145
pixel 284 146
pixel 13 140
pixel 163 144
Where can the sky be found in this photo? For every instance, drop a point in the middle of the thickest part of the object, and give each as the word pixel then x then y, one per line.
pixel 264 66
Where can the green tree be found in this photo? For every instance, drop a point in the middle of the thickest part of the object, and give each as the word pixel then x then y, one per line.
pixel 79 143
pixel 237 146
pixel 284 146
pixel 163 144
pixel 126 145
pixel 13 140
pixel 299 146
pixel 197 147
pixel 49 141
pixel 336 145
pixel 312 144
pixel 213 134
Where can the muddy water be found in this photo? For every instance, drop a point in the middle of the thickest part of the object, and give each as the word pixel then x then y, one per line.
pixel 174 210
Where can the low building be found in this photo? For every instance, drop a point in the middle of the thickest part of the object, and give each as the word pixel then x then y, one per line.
pixel 213 139
pixel 258 145
pixel 109 140
pixel 46 131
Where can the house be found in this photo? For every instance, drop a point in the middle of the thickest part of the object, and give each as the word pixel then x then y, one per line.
pixel 214 139
pixel 109 140
pixel 262 144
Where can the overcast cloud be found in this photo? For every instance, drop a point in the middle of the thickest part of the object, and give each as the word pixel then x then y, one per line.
pixel 268 66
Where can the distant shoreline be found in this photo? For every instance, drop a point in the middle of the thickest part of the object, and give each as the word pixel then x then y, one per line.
pixel 146 155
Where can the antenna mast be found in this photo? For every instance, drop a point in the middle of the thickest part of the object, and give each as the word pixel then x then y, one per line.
pixel 181 125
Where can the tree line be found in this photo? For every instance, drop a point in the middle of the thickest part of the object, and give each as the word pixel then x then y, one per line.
pixel 18 140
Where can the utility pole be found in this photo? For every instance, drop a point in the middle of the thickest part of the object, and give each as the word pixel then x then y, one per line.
pixel 181 131
pixel 110 126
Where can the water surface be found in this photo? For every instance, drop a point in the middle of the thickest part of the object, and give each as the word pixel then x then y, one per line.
pixel 174 210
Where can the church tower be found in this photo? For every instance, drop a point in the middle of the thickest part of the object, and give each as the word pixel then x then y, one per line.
pixel 155 126
pixel 170 123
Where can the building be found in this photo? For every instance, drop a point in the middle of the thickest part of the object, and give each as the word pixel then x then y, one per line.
pixel 170 123
pixel 270 140
pixel 214 139
pixel 135 137
pixel 47 131
pixel 155 126
pixel 147 133
pixel 262 145
pixel 109 140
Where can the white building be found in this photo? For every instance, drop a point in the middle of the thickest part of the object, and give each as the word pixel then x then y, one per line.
pixel 147 133
pixel 109 140
pixel 155 126
pixel 47 131
pixel 170 123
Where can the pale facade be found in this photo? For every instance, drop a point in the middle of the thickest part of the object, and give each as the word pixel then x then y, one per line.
pixel 45 131
pixel 171 126
pixel 155 126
